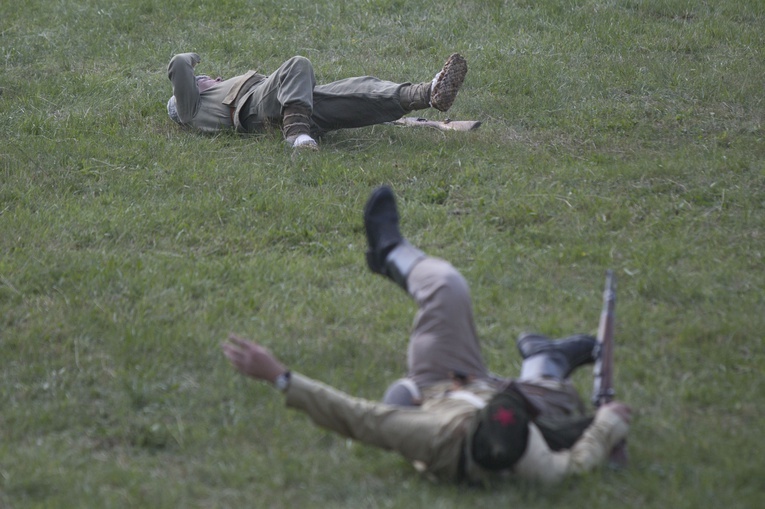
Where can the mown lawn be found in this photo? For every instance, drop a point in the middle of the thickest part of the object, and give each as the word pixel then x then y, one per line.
pixel 616 135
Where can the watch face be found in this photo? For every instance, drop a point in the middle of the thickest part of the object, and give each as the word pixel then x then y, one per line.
pixel 283 381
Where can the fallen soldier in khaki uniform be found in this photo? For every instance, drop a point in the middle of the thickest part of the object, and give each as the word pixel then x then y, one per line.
pixel 449 416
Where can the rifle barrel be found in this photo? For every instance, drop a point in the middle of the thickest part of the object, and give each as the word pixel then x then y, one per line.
pixel 603 390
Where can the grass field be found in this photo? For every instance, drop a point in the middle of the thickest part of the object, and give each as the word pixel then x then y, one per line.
pixel 624 135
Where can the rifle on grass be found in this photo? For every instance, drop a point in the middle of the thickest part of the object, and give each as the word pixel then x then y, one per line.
pixel 446 125
pixel 603 385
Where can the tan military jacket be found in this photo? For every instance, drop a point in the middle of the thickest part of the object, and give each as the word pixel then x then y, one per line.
pixel 434 436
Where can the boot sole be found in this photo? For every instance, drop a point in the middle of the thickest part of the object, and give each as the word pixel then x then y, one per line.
pixel 449 82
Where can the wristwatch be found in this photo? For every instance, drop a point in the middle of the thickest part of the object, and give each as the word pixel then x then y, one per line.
pixel 282 381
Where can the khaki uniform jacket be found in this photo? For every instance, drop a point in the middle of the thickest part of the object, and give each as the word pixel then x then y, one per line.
pixel 434 436
pixel 215 108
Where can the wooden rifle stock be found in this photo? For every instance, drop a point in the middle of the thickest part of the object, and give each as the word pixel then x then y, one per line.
pixel 445 125
pixel 603 384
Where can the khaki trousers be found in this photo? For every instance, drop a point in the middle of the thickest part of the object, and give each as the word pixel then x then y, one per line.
pixel 443 341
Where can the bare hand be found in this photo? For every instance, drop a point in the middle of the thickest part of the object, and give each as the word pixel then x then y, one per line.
pixel 620 409
pixel 252 360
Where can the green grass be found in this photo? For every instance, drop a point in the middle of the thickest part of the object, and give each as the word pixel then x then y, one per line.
pixel 623 135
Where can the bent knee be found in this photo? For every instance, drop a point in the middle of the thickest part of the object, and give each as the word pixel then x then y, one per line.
pixel 435 277
pixel 300 62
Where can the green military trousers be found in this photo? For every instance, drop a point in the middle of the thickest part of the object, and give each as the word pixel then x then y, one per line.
pixel 343 104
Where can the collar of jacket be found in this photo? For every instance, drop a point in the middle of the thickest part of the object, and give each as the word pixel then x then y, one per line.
pixel 242 85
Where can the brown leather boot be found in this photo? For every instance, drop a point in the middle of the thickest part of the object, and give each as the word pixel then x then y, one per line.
pixel 439 93
pixel 447 82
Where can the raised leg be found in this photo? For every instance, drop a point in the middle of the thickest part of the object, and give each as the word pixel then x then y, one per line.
pixel 443 342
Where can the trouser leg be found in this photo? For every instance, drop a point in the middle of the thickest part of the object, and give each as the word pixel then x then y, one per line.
pixel 443 341
pixel 356 102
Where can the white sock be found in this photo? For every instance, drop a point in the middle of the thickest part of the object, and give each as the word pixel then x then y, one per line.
pixel 303 139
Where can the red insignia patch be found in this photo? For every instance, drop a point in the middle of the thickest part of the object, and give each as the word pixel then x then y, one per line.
pixel 504 416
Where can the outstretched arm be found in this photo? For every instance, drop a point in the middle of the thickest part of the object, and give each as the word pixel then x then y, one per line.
pixel 180 70
pixel 416 434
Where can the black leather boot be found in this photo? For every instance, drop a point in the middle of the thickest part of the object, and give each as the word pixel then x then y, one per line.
pixel 555 358
pixel 388 252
